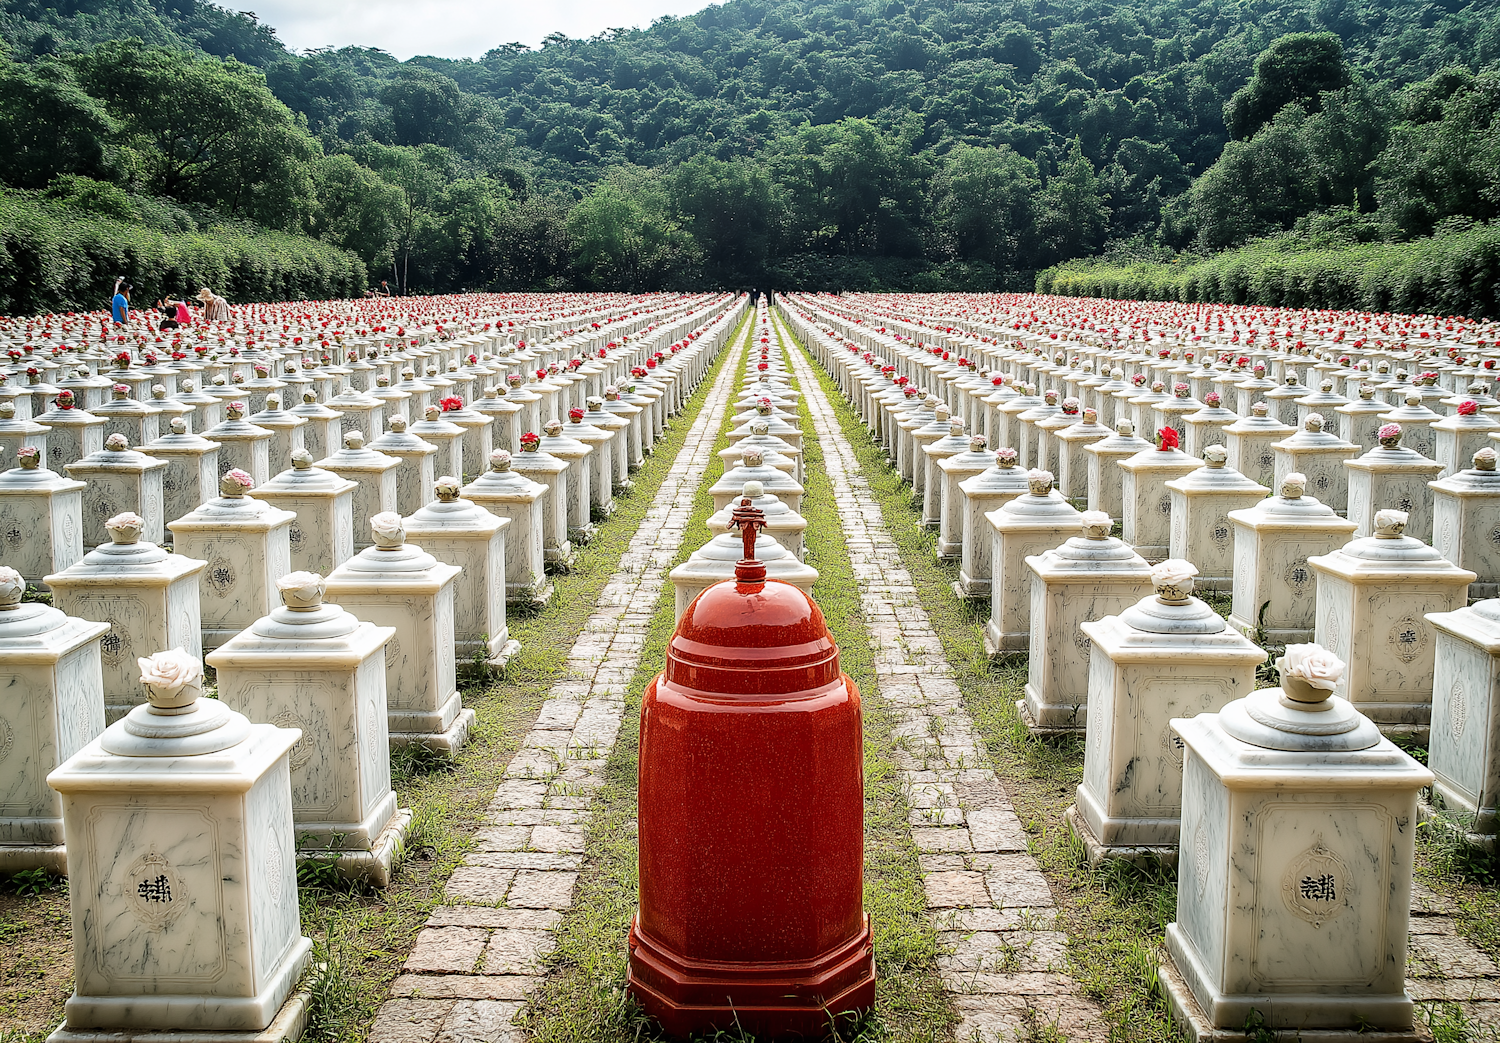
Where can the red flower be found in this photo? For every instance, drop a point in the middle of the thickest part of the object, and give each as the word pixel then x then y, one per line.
pixel 1468 407
pixel 1166 439
pixel 575 414
pixel 451 403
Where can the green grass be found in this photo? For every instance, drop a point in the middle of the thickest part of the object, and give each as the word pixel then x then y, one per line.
pixel 1116 916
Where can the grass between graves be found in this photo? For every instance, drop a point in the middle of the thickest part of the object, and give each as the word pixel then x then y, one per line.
pixel 361 939
pixel 1116 916
pixel 583 998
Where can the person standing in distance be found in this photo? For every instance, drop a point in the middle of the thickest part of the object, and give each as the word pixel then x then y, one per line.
pixel 119 307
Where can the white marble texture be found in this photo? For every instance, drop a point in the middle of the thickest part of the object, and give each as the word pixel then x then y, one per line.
pixel 41 521
pixel 247 545
pixel 149 599
pixel 464 534
pixel 1083 579
pixel 1201 530
pixel 1146 502
pixel 1149 664
pixel 374 476
pixel 1275 589
pixel 125 481
pixel 551 474
pixel 184 901
pixel 1320 456
pixel 1373 596
pixel 1464 738
pixel 192 473
pixel 1466 525
pixel 321 536
pixel 332 688
pixel 1392 478
pixel 50 708
pixel 1106 481
pixel 410 592
pixel 1027 525
pixel 983 494
pixel 1296 875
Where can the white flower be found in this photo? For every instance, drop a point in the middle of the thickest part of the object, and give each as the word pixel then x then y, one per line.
pixel 127 520
pixel 170 672
pixel 387 525
pixel 301 589
pixel 447 485
pixel 1094 519
pixel 1390 520
pixel 1174 572
pixel 12 584
pixel 1313 664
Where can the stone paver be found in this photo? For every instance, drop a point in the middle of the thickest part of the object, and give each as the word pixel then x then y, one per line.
pixel 480 954
pixel 974 859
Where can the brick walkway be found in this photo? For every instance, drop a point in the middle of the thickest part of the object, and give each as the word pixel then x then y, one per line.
pixel 480 954
pixel 989 900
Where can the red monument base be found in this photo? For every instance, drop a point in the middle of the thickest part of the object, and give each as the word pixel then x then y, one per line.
pixel 771 999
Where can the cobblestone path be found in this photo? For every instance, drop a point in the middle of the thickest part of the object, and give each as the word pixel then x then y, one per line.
pixel 984 892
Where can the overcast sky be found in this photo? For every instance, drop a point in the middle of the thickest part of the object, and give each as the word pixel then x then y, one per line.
pixel 454 28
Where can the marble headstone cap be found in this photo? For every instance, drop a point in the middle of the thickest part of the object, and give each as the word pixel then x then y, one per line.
pixel 1303 714
pixel 125 549
pixel 125 528
pixel 1173 581
pixel 175 721
pixel 1173 614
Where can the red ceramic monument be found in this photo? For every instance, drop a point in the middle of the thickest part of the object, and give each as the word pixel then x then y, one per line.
pixel 751 818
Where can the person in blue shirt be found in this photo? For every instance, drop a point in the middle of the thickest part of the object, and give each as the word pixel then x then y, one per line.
pixel 120 306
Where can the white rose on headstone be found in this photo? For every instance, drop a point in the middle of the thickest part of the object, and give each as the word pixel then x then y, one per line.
pixel 1173 579
pixel 1309 666
pixel 300 590
pixel 387 529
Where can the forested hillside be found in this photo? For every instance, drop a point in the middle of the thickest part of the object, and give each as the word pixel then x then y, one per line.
pixel 911 144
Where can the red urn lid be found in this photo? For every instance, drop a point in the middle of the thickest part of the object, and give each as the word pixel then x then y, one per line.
pixel 751 635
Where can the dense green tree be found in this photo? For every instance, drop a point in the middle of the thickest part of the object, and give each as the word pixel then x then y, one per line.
pixel 1443 160
pixel 356 209
pixel 204 131
pixel 49 126
pixel 983 202
pixel 1071 213
pixel 624 234
pixel 729 209
pixel 851 188
pixel 1295 70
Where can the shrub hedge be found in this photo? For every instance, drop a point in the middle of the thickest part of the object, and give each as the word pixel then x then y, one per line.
pixel 1454 274
pixel 58 258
